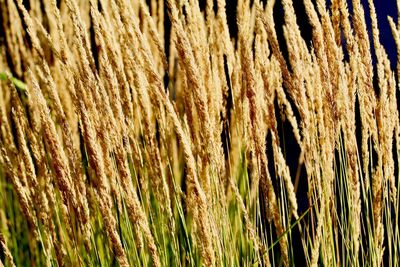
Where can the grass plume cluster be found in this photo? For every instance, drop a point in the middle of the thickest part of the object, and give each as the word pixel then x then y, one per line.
pixel 127 142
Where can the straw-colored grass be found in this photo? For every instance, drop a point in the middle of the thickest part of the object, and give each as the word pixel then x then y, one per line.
pixel 127 143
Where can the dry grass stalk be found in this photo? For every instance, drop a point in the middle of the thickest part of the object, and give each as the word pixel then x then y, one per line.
pixel 96 161
pixel 62 170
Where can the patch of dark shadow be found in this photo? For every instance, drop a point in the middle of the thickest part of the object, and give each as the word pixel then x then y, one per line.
pixel 118 212
pixel 95 49
pixel 303 21
pixel 158 134
pixel 31 153
pixel 344 43
pixel 374 159
pixel 184 12
pixel 166 81
pixel 225 137
pixel 249 156
pixel 226 118
pixel 45 19
pixel 26 4
pixel 203 6
pixel 82 148
pixel 271 164
pixel 99 7
pixel 167 31
pixel 148 3
pixel 215 6
pixel 292 151
pixel 183 185
pixel 2 256
pixel 231 16
pixel 375 80
pixel 13 129
pixel 358 124
pixel 302 190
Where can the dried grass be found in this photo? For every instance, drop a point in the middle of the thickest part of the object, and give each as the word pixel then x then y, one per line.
pixel 118 151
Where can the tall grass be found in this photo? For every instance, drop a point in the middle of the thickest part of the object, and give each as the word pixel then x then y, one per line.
pixel 127 142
